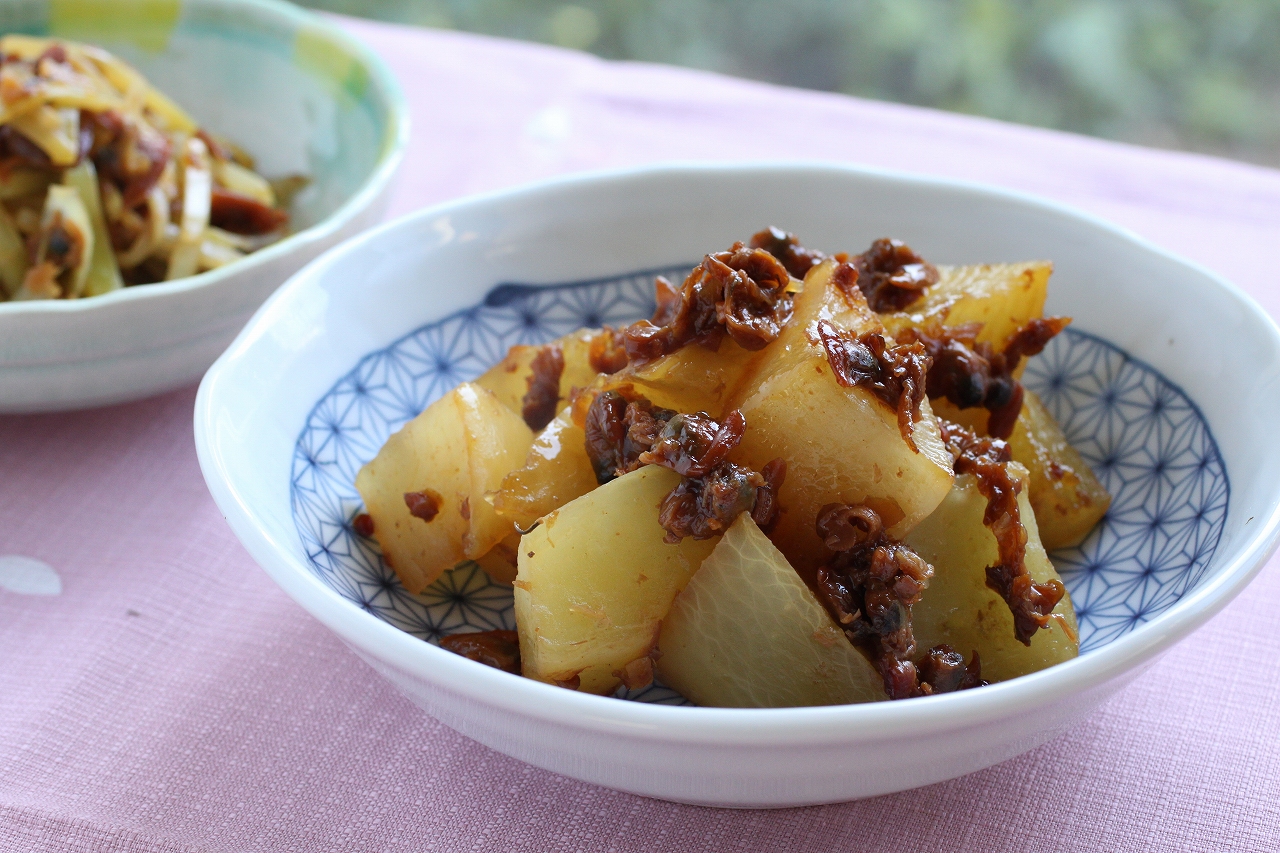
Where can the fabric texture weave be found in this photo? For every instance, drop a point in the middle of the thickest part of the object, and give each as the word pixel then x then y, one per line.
pixel 172 698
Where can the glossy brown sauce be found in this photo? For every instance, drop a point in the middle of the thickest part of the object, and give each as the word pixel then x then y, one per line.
pixel 607 353
pixel 787 249
pixel 626 433
pixel 498 649
pixel 971 373
pixel 741 293
pixel 538 406
pixel 892 276
pixel 869 586
pixel 424 504
pixel 362 524
pixel 894 374
pixel 988 460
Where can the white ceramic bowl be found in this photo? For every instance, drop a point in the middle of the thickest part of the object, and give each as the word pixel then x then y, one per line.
pixel 276 409
pixel 293 89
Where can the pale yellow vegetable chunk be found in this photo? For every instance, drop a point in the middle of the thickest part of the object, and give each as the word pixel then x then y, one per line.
pixel 459 448
pixel 1067 498
pixel 509 378
pixel 841 445
pixel 55 131
pixel 596 579
pixel 104 274
pixel 958 608
pixel 1003 297
pixel 64 215
pixel 13 256
pixel 555 472
pixel 496 444
pixel 747 633
pixel 691 379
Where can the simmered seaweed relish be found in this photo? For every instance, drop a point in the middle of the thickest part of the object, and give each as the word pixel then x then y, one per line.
pixel 868 587
pixel 743 293
pixel 624 433
pixel 988 460
pixel 894 374
pixel 539 404
pixel 972 373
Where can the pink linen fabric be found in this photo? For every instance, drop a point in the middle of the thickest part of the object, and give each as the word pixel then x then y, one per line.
pixel 171 698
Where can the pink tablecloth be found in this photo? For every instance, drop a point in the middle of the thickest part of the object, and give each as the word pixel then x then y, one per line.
pixel 171 698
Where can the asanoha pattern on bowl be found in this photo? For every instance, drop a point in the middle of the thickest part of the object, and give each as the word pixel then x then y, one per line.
pixel 1142 436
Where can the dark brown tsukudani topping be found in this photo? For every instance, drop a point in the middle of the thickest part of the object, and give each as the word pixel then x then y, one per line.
pixel 706 505
pixel 972 373
pixel 691 445
pixel 362 524
pixel 766 511
pixel 892 276
pixel 623 435
pixel 944 671
pixel 988 460
pixel 607 353
pixel 126 153
pixel 894 374
pixel 869 587
pixel 571 682
pixel 539 404
pixel 786 248
pixel 240 214
pixel 498 649
pixel 217 150
pixel 424 504
pixel 618 431
pixel 1032 338
pixel 741 293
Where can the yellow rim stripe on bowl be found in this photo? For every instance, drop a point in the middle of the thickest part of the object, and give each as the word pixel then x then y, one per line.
pixel 147 23
pixel 315 52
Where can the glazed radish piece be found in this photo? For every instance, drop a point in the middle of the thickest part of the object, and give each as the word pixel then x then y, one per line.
pixel 596 580
pixel 959 608
pixel 425 489
pixel 1002 297
pixel 691 379
pixel 1067 498
pixel 841 442
pixel 104 274
pixel 555 472
pixel 747 633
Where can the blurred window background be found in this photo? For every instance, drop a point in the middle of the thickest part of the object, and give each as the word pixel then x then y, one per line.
pixel 1202 75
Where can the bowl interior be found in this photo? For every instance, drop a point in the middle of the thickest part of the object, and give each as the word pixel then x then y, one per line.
pixel 1140 433
pixel 285 85
pixel 363 339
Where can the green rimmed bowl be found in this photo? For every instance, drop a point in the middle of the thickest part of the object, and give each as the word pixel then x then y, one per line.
pixel 293 89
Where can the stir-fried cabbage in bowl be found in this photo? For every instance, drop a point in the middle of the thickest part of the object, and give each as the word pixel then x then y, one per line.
pixel 281 104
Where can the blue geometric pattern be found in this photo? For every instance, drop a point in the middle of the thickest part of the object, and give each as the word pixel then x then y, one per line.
pixel 1150 446
pixel 1145 440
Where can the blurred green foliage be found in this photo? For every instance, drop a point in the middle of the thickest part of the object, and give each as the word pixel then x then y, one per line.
pixel 1196 74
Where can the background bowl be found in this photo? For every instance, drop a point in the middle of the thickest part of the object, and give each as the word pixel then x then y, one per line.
pixel 291 88
pixel 361 339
